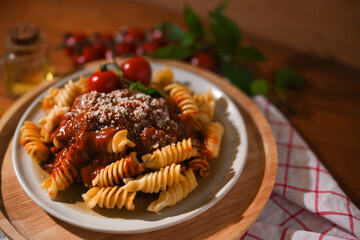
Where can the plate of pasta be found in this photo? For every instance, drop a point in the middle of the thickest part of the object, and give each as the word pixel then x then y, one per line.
pixel 137 155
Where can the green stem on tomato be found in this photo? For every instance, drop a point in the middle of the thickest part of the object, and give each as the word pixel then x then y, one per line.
pixel 103 67
pixel 138 86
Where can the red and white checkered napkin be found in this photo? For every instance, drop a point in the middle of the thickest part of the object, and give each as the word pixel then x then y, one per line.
pixel 306 202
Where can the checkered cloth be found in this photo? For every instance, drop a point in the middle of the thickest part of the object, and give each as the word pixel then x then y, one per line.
pixel 306 202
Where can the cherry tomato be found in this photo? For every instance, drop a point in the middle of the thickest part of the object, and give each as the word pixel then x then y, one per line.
pixel 100 50
pixel 147 47
pixel 130 35
pixel 106 37
pixel 73 40
pixel 88 53
pixel 101 39
pixel 157 36
pixel 204 60
pixel 137 69
pixel 103 81
pixel 120 49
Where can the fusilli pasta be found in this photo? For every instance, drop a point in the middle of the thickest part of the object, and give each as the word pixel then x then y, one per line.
pixel 201 121
pixel 109 197
pixel 51 121
pixel 175 193
pixel 163 77
pixel 30 138
pixel 60 178
pixel 182 96
pixel 170 154
pixel 154 182
pixel 124 168
pixel 201 165
pixel 68 94
pixel 82 84
pixel 212 138
pixel 119 142
pixel 48 102
pixel 205 103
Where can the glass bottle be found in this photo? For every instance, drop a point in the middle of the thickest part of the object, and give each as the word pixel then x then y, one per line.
pixel 25 61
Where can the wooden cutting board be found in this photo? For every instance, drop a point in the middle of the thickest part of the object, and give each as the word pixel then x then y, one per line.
pixel 230 218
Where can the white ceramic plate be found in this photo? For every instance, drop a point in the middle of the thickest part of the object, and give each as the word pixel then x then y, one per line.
pixel 69 207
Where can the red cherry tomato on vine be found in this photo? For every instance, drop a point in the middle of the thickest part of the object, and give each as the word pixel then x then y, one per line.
pixel 130 35
pixel 137 69
pixel 121 49
pixel 103 81
pixel 106 37
pixel 73 40
pixel 204 60
pixel 147 47
pixel 89 53
pixel 158 36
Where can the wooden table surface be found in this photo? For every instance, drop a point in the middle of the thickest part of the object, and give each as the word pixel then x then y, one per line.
pixel 325 111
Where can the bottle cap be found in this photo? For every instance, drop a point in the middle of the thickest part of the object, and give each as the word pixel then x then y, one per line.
pixel 23 33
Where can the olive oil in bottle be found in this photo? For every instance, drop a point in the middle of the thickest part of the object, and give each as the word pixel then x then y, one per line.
pixel 25 62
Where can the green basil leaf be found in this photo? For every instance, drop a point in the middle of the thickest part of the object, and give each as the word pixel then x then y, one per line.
pixel 259 86
pixel 250 53
pixel 226 32
pixel 223 56
pixel 194 23
pixel 288 78
pixel 138 86
pixel 172 32
pixel 221 8
pixel 173 52
pixel 239 76
pixel 189 40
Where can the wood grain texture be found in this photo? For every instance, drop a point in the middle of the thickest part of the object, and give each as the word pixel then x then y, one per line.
pixel 228 219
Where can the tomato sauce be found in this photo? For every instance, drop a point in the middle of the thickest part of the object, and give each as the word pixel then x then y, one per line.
pixel 94 118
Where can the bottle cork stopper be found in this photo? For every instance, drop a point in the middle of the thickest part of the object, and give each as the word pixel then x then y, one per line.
pixel 24 33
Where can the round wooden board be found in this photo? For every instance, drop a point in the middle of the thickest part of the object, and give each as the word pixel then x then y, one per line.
pixel 228 219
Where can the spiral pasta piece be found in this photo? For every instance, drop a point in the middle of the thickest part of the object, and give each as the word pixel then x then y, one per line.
pixel 206 103
pixel 57 143
pixel 30 138
pixel 119 142
pixel 51 121
pixel 109 197
pixel 201 121
pixel 203 98
pixel 201 165
pixel 48 102
pixel 163 77
pixel 37 151
pixel 68 94
pixel 154 182
pixel 170 154
pixel 30 132
pixel 175 193
pixel 60 178
pixel 182 96
pixel 212 138
pixel 82 84
pixel 124 168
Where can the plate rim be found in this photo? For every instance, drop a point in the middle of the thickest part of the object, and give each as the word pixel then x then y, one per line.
pixel 196 212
